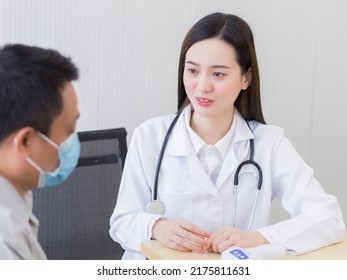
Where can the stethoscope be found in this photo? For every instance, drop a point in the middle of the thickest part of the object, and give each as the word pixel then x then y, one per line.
pixel 157 207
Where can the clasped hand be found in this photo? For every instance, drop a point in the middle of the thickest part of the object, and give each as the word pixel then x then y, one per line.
pixel 184 236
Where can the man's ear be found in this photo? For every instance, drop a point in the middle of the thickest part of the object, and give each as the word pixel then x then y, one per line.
pixel 22 140
pixel 247 78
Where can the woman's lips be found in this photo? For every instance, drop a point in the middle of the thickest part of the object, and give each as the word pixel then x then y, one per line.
pixel 204 102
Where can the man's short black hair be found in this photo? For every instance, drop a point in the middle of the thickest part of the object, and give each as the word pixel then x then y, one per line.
pixel 31 81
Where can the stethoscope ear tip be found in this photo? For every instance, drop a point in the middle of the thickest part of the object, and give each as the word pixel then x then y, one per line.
pixel 156 207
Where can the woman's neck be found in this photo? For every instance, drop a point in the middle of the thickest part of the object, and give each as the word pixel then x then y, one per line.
pixel 211 129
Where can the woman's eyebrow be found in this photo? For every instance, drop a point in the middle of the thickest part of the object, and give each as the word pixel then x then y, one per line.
pixel 213 66
pixel 191 62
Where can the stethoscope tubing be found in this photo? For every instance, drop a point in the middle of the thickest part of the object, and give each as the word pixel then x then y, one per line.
pixel 157 204
pixel 161 155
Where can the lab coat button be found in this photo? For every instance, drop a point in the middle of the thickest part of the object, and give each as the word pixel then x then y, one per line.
pixel 214 201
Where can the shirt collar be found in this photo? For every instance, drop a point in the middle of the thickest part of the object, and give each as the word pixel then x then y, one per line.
pixel 198 144
pixel 241 132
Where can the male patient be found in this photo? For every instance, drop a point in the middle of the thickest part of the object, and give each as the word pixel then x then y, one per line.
pixel 38 143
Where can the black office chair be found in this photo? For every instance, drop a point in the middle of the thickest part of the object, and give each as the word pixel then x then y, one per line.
pixel 74 216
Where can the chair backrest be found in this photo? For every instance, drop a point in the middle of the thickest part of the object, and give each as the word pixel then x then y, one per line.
pixel 74 216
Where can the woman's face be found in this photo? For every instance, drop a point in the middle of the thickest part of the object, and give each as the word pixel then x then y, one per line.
pixel 212 78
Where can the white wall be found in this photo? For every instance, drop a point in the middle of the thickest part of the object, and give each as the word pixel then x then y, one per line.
pixel 127 52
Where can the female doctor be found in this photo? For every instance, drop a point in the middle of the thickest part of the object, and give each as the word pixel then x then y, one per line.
pixel 221 165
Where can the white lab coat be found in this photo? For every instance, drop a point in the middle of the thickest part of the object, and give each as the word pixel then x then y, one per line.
pixel 189 194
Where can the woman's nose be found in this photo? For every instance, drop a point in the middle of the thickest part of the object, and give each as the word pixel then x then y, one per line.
pixel 204 84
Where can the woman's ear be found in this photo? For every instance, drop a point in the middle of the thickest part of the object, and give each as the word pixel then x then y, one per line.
pixel 247 78
pixel 22 140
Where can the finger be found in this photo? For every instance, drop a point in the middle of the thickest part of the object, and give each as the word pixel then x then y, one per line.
pixel 194 229
pixel 206 246
pixel 218 241
pixel 214 236
pixel 192 237
pixel 209 249
pixel 225 245
pixel 186 243
pixel 222 231
pixel 216 233
pixel 220 236
pixel 177 247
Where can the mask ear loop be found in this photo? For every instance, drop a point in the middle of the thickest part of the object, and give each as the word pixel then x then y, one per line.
pixel 49 141
pixel 33 164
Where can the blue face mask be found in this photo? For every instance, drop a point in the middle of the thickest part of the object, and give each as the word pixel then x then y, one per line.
pixel 69 152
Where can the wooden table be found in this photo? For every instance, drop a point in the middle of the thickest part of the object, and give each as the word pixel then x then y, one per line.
pixel 153 250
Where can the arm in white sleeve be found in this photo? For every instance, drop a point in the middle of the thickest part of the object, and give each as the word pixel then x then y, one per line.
pixel 130 224
pixel 316 216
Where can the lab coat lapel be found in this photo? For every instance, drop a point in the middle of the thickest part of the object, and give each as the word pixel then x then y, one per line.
pixel 180 146
pixel 238 150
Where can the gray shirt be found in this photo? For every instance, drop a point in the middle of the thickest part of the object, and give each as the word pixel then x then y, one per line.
pixel 18 225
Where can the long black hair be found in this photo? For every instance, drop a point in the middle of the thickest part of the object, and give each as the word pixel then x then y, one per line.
pixel 237 33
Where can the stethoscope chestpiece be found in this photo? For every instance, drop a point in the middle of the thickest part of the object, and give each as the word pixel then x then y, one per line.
pixel 156 207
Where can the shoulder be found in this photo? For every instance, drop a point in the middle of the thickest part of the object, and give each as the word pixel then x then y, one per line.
pixel 266 133
pixel 13 239
pixel 258 127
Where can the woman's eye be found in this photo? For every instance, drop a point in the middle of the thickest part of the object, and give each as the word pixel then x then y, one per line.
pixel 218 74
pixel 192 71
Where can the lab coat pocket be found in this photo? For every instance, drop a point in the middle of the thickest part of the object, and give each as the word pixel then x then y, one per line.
pixel 177 205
